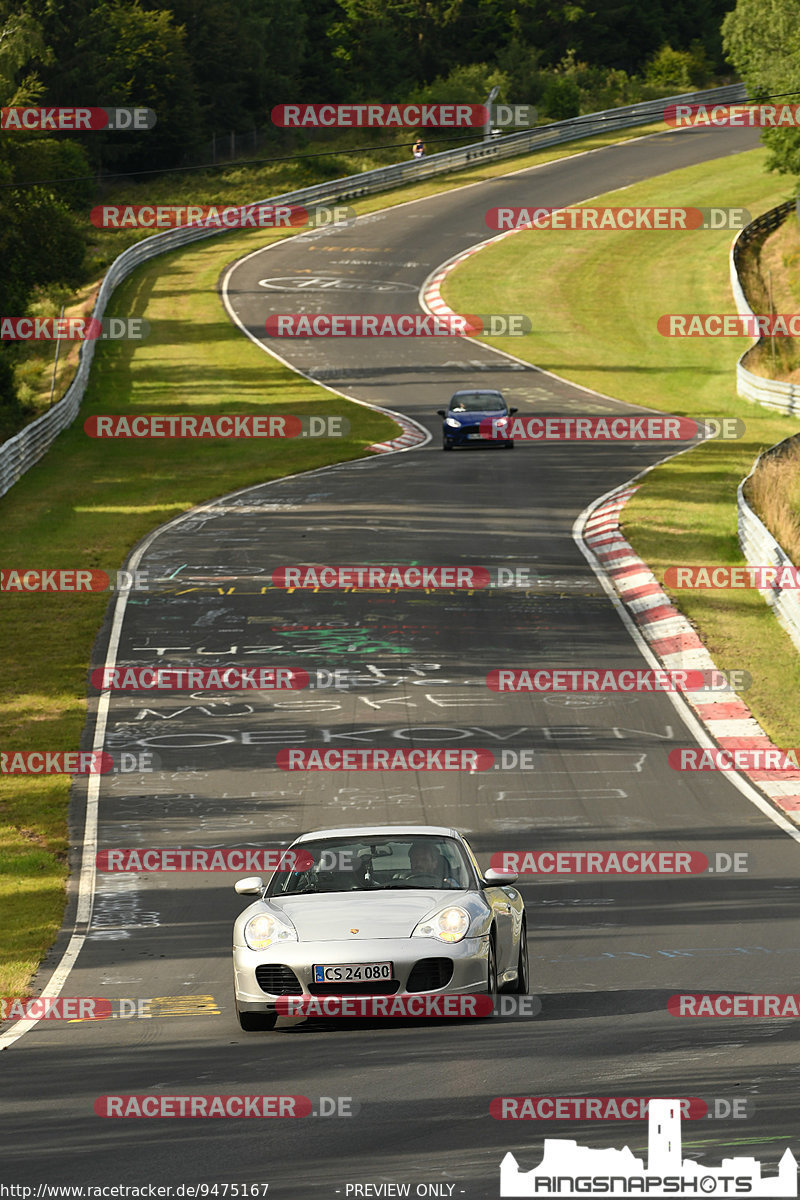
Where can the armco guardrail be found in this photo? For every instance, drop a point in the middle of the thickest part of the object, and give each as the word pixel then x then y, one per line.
pixel 19 453
pixel 770 393
pixel 760 549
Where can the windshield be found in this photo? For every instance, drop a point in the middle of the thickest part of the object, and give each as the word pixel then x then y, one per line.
pixel 379 863
pixel 478 402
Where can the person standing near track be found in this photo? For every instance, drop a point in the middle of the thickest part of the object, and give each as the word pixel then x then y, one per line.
pixel 418 149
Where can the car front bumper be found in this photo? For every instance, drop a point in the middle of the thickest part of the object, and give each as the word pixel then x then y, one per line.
pixel 469 960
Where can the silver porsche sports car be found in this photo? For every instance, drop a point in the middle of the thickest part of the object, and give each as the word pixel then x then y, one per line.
pixel 385 910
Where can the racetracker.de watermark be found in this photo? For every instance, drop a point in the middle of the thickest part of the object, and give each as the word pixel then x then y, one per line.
pixel 609 429
pixel 617 218
pixel 216 425
pixel 415 1005
pixel 764 116
pixel 614 1108
pixel 186 679
pixel 750 325
pixel 617 679
pixel 379 116
pixel 763 578
pixel 398 325
pixel 210 216
pixel 55 762
pixel 73 329
pixel 65 119
pixel 56 1008
pixel 75 579
pixel 730 1004
pixel 76 762
pixel 618 862
pixel 768 760
pixel 198 858
pixel 400 116
pixel 394 759
pixel 159 1105
pixel 385 577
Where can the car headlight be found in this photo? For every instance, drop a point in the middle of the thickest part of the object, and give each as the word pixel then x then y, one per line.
pixel 263 930
pixel 499 420
pixel 449 925
pixel 452 422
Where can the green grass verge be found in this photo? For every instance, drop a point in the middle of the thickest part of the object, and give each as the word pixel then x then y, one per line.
pixel 88 502
pixel 594 299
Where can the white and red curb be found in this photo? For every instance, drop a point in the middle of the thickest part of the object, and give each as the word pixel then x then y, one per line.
pixel 673 640
pixel 412 435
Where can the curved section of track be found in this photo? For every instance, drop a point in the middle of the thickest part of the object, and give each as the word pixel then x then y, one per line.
pixel 605 954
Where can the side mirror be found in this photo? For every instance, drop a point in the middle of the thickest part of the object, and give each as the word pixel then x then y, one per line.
pixel 511 411
pixel 440 412
pixel 252 886
pixel 499 878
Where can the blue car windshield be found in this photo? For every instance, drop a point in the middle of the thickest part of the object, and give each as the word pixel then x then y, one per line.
pixel 478 402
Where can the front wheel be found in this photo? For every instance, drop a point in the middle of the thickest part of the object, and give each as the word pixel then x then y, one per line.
pixel 256 1022
pixel 520 986
pixel 491 971
pixel 509 445
pixel 447 444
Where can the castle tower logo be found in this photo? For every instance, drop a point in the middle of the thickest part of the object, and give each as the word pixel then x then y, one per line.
pixel 568 1169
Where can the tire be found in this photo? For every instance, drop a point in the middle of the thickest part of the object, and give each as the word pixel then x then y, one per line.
pixel 446 444
pixel 256 1022
pixel 522 983
pixel 491 970
pixel 509 445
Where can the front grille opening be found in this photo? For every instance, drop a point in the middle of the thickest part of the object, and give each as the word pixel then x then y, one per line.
pixel 278 980
pixel 430 974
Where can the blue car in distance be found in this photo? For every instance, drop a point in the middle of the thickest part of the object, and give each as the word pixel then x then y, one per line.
pixel 463 417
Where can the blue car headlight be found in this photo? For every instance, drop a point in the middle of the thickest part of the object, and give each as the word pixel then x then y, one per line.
pixel 452 422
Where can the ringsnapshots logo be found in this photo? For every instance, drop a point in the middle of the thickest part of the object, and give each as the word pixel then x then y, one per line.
pixel 609 429
pixel 570 1170
pixel 401 116
pixel 396 325
pixel 617 679
pixel 63 119
pixel 212 216
pixel 73 329
pixel 617 218
pixel 216 425
pixel 762 116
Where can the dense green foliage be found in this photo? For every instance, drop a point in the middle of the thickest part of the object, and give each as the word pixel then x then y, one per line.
pixel 762 40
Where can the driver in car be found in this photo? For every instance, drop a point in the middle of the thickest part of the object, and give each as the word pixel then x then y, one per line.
pixel 426 861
